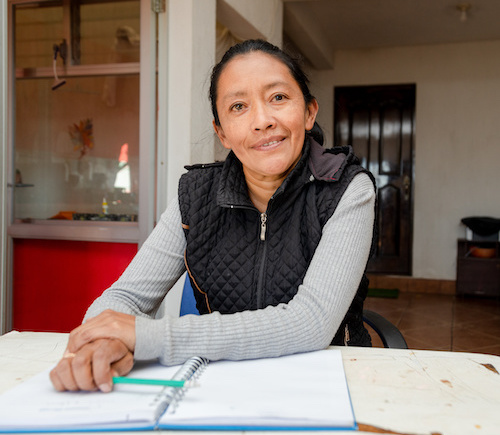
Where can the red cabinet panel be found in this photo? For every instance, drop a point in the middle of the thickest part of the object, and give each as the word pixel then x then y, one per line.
pixel 54 281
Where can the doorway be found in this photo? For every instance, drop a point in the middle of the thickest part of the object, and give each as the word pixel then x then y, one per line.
pixel 379 123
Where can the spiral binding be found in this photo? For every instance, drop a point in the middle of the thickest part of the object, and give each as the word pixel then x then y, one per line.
pixel 170 397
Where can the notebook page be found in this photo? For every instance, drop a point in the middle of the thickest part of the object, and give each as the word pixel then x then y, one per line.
pixel 303 390
pixel 35 404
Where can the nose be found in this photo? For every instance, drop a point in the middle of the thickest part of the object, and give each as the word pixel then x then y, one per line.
pixel 263 118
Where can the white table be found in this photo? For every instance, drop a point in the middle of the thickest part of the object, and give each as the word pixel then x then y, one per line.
pixel 393 391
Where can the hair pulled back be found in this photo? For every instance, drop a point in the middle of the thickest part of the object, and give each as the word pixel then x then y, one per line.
pixel 260 45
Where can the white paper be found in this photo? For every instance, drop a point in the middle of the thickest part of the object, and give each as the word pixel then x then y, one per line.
pixel 35 404
pixel 303 391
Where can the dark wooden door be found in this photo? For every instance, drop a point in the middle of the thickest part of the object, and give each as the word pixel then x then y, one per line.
pixel 378 121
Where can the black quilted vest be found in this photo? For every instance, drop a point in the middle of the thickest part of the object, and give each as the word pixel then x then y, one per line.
pixel 239 259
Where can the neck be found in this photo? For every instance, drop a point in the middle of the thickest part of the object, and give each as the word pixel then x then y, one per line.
pixel 261 189
pixel 260 196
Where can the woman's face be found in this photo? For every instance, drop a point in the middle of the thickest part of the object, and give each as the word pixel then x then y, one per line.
pixel 262 113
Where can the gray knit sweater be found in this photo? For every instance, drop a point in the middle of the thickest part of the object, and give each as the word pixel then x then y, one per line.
pixel 308 322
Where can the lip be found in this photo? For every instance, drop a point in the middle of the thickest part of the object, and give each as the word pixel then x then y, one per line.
pixel 269 143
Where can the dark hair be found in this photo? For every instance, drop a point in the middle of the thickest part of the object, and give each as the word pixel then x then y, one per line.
pixel 252 45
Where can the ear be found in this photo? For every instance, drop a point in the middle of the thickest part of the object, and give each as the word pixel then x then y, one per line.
pixel 222 137
pixel 311 112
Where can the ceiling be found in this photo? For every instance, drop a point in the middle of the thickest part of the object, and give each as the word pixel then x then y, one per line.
pixel 320 27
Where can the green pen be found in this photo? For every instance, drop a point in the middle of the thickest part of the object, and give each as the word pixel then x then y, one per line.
pixel 162 382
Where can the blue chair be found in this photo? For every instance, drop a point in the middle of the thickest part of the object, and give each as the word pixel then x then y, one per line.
pixel 188 302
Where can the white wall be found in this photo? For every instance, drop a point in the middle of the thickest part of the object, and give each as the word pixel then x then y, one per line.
pixel 253 19
pixel 190 54
pixel 457 150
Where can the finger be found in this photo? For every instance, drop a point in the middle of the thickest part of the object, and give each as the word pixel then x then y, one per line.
pixel 62 376
pixel 56 382
pixel 104 359
pixel 123 366
pixel 105 379
pixel 82 368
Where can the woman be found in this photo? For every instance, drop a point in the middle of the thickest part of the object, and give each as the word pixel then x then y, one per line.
pixel 275 240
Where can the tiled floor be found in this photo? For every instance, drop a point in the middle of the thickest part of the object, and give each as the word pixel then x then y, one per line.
pixel 442 322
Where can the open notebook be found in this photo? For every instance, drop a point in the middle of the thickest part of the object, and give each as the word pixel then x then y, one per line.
pixel 305 391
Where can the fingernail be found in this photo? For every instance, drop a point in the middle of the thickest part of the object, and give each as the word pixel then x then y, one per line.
pixel 105 388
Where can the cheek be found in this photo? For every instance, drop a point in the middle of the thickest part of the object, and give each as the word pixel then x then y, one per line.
pixel 300 125
pixel 299 119
pixel 232 136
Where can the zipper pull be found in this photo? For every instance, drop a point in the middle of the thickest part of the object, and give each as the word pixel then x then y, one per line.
pixel 347 338
pixel 263 220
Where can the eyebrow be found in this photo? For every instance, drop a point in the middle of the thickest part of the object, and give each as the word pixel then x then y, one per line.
pixel 266 87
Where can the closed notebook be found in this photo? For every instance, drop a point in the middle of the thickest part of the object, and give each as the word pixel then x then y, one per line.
pixel 305 391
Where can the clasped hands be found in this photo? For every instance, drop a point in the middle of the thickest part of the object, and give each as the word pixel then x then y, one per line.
pixel 97 350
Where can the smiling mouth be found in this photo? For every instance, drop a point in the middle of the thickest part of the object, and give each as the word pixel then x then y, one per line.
pixel 270 144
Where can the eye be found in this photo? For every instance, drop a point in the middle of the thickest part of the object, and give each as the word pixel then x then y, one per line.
pixel 237 107
pixel 279 97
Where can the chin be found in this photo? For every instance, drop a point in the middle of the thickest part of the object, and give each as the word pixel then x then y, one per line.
pixel 276 170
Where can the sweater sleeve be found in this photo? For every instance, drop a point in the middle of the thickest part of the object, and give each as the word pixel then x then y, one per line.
pixel 306 323
pixel 151 274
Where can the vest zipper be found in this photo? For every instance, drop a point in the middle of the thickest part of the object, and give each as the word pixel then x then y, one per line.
pixel 263 254
pixel 263 226
pixel 347 337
